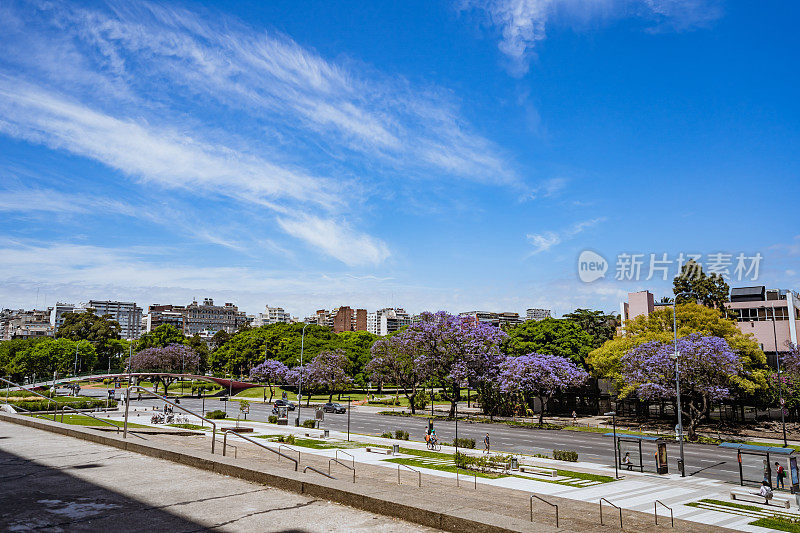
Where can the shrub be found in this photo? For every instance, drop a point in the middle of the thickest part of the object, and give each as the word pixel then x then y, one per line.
pixel 463 460
pixel 390 401
pixel 310 423
pixel 421 400
pixel 272 419
pixel 386 435
pixel 216 415
pixel 565 455
pixel 401 435
pixel 287 439
pixel 464 443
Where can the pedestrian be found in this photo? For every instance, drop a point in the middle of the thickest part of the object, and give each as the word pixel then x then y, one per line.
pixel 574 418
pixel 765 492
pixel 627 461
pixel 486 443
pixel 780 474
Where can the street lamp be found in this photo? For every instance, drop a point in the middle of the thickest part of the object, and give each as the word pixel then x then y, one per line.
pixel 300 384
pixel 678 377
pixel 613 415
pixel 348 418
pixel 780 380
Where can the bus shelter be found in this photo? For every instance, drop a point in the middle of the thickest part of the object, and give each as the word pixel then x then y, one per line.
pixel 632 446
pixel 745 452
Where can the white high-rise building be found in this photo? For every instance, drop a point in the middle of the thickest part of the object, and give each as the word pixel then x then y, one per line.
pixel 537 314
pixel 271 315
pixel 128 314
pixel 387 320
pixel 57 314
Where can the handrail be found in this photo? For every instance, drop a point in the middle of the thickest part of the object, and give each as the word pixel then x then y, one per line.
pixel 353 468
pixel 544 501
pixel 655 511
pixel 288 448
pixel 317 471
pixel 248 439
pixel 612 505
pixel 347 454
pixel 475 475
pixel 419 474
pixel 55 411
pixel 179 406
pixel 235 449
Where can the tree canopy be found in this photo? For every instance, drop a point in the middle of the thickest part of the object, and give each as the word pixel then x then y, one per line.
pixel 599 325
pixel 552 336
pixel 711 291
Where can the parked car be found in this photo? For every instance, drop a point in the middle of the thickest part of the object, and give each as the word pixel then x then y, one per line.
pixel 279 403
pixel 334 408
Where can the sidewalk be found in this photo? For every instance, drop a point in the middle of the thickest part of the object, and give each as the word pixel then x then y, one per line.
pixel 636 491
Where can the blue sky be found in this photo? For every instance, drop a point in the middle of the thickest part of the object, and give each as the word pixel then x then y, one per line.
pixel 455 155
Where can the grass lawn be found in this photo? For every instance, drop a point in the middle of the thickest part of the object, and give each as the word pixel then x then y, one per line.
pixel 726 504
pixel 418 463
pixel 190 426
pixel 82 420
pixel 779 523
pixel 258 394
pixel 316 444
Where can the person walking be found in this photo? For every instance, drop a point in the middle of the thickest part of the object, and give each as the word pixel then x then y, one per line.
pixel 780 475
pixel 486 443
pixel 574 418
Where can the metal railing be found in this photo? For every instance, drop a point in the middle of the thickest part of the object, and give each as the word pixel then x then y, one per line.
pixel 165 400
pixel 235 448
pixel 655 511
pixel 544 501
pixel 337 461
pixel 352 459
pixel 612 505
pixel 63 407
pixel 419 474
pixel 248 439
pixel 474 475
pixel 288 448
pixel 317 471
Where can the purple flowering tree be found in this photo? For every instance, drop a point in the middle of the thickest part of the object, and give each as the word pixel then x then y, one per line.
pixel 397 360
pixel 708 367
pixel 271 372
pixel 540 376
pixel 455 349
pixel 329 370
pixel 174 358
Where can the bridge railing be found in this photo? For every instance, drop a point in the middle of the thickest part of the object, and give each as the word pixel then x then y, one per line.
pixel 165 400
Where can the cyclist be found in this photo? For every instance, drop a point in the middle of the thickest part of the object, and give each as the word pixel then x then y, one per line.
pixel 432 441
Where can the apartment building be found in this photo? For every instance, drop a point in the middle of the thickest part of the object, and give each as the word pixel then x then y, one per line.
pixel 128 314
pixel 158 315
pixel 491 318
pixel 57 314
pixel 25 324
pixel 348 319
pixel 210 318
pixel 388 320
pixel 537 314
pixel 271 315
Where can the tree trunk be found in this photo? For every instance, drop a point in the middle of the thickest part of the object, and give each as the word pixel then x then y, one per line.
pixel 543 405
pixel 271 392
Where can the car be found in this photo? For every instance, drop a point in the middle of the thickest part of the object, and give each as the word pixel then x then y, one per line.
pixel 280 403
pixel 334 408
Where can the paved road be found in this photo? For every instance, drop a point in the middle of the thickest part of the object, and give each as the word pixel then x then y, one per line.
pixel 56 483
pixel 701 460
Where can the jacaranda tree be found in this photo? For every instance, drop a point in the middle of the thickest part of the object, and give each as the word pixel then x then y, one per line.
pixel 397 360
pixel 539 376
pixel 708 368
pixel 172 359
pixel 329 369
pixel 270 372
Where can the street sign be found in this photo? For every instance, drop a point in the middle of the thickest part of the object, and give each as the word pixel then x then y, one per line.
pixel 245 409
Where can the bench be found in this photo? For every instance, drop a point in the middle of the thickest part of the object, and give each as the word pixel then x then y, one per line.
pixel 778 500
pixel 385 451
pixel 538 470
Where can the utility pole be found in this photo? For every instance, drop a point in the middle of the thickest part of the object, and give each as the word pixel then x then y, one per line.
pixel 781 401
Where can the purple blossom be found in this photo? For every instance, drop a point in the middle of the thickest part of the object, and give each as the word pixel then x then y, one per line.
pixel 270 371
pixel 174 358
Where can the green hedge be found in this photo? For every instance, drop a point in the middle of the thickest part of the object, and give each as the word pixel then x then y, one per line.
pixel 272 419
pixel 216 415
pixel 565 455
pixel 464 443
pixel 401 434
pixel 75 403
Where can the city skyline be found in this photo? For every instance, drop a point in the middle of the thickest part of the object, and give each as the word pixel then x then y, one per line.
pixel 453 156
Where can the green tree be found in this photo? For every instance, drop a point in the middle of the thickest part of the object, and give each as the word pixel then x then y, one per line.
pixel 55 355
pixel 711 291
pixel 692 318
pixel 10 366
pixel 99 330
pixel 161 336
pixel 551 336
pixel 599 325
pixel 201 349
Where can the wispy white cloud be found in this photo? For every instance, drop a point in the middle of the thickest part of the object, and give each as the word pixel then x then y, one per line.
pixel 546 240
pixel 548 188
pixel 336 238
pixel 523 23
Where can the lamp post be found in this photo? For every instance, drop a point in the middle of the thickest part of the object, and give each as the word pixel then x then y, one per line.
pixel 613 415
pixel 780 379
pixel 348 418
pixel 75 366
pixel 678 377
pixel 300 384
